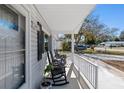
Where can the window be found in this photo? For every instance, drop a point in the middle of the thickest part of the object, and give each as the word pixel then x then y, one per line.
pixel 8 18
pixel 12 48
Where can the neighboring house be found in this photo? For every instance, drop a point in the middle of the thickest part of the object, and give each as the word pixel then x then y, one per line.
pixel 112 44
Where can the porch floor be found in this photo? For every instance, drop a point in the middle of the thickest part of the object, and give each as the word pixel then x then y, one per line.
pixel 72 75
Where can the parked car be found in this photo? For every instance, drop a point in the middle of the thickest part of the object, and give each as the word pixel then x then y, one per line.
pixel 88 46
pixel 80 47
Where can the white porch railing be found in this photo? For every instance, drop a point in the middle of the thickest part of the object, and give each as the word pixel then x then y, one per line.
pixel 87 70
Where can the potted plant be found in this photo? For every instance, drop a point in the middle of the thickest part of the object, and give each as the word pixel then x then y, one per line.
pixel 46 83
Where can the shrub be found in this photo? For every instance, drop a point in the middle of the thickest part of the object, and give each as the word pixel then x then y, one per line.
pixel 66 46
pixel 89 51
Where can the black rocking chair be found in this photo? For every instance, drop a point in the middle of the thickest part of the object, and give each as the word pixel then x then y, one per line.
pixel 58 73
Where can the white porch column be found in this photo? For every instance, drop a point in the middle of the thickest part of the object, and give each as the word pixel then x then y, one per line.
pixel 72 46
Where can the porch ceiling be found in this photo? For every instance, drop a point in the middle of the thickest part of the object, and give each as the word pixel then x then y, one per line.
pixel 64 18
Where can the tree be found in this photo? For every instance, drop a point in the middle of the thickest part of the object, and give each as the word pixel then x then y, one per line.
pixel 117 39
pixel 91 29
pixel 97 31
pixel 113 33
pixel 66 46
pixel 122 35
pixel 89 38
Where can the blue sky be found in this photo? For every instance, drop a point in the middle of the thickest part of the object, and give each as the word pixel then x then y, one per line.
pixel 111 15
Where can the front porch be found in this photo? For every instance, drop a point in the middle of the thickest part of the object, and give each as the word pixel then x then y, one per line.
pixel 38 28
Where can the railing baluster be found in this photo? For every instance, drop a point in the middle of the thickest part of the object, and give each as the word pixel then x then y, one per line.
pixel 88 69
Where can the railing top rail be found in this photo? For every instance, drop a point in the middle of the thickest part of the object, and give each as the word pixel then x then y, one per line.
pixel 86 60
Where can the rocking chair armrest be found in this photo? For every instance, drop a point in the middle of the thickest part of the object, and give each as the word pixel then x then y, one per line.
pixel 57 60
pixel 58 66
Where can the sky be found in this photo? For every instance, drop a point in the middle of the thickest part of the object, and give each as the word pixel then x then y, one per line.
pixel 111 15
